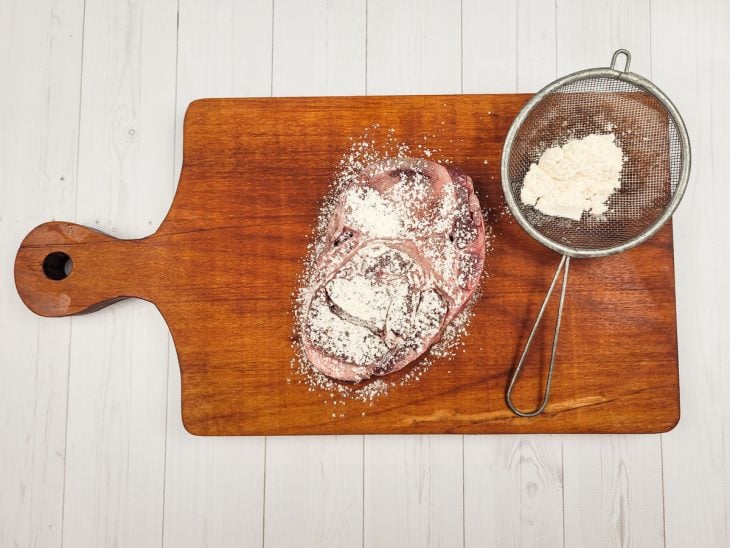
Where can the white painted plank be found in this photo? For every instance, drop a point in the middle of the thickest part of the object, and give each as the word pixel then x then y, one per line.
pixel 590 31
pixel 512 484
pixel 40 56
pixel 413 47
pixel 493 491
pixel 38 147
pixel 541 483
pixel 518 52
pixel 214 488
pixel 314 494
pixel 224 50
pixel 314 491
pixel 613 491
pixel 536 45
pixel 118 379
pixel 513 488
pixel 541 457
pixel 319 47
pixel 691 63
pixel 489 46
pixel 613 484
pixel 413 491
pixel 116 428
pixel 413 484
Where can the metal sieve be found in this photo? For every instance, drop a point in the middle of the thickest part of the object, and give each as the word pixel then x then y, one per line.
pixel 656 149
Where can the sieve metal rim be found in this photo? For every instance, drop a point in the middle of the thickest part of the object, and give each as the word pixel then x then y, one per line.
pixel 607 72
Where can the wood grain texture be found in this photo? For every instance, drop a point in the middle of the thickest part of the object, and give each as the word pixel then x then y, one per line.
pixel 231 320
pixel 38 144
pixel 585 40
pixel 613 487
pixel 696 50
pixel 116 412
pixel 489 59
pixel 413 47
pixel 613 491
pixel 491 464
pixel 513 489
pixel 214 492
pixel 214 486
pixel 427 59
pixel 407 483
pixel 513 485
pixel 314 491
pixel 314 487
pixel 214 489
pixel 493 491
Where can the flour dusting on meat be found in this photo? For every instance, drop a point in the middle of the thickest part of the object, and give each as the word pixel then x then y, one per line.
pixel 397 257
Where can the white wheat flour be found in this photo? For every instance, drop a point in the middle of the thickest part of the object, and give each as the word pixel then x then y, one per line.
pixel 578 176
pixel 373 215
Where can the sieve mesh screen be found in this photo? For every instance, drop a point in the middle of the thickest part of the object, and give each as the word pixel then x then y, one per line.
pixel 645 131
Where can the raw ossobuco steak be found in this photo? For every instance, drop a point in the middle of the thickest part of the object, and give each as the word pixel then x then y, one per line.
pixel 402 255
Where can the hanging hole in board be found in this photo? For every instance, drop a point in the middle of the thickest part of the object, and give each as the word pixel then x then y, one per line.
pixel 57 266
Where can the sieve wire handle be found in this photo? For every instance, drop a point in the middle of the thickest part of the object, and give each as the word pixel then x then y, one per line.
pixel 564 266
pixel 614 59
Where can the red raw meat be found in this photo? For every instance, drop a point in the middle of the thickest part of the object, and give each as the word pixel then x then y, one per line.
pixel 402 255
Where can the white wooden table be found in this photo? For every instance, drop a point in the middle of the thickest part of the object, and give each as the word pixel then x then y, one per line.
pixel 92 450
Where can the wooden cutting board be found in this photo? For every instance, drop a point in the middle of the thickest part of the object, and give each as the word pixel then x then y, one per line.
pixel 222 268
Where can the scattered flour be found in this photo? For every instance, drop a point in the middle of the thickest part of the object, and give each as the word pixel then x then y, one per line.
pixel 576 177
pixel 357 297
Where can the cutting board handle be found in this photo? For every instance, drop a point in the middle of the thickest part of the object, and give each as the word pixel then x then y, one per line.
pixel 64 268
